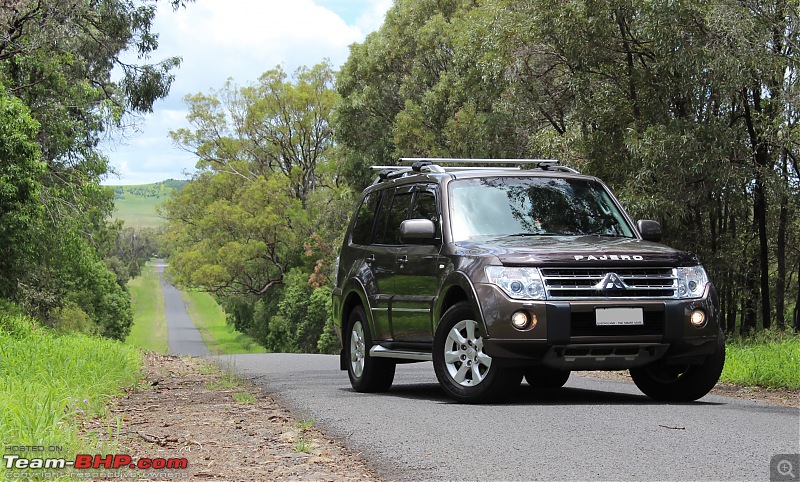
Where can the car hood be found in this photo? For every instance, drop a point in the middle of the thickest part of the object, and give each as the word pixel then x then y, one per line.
pixel 575 250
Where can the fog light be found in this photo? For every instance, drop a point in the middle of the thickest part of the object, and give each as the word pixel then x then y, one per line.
pixel 698 319
pixel 520 320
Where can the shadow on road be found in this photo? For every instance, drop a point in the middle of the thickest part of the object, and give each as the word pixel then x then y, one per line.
pixel 527 395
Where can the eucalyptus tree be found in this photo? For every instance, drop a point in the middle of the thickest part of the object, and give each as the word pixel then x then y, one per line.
pixel 57 58
pixel 688 109
pixel 257 223
pixel 239 225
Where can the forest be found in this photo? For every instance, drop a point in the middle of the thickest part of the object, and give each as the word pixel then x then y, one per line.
pixel 62 259
pixel 688 110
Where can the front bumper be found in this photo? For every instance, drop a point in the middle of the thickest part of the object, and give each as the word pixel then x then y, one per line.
pixel 566 335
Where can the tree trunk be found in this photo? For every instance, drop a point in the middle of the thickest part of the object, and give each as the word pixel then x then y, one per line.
pixel 780 282
pixel 761 162
pixel 797 303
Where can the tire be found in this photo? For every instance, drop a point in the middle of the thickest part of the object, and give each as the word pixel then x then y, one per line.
pixel 541 377
pixel 681 383
pixel 367 374
pixel 465 372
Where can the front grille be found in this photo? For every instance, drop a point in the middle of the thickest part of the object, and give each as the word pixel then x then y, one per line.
pixel 583 283
pixel 584 324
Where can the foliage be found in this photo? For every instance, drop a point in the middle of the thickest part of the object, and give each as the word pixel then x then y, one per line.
pixel 257 224
pixel 770 359
pixel 688 110
pixel 50 383
pixel 20 169
pixel 57 99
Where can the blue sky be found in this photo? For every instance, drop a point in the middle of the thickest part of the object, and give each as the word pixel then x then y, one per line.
pixel 237 39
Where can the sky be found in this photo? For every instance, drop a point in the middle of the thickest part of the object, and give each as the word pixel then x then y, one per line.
pixel 232 39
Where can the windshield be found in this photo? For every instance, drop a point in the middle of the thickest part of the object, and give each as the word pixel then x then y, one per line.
pixel 533 206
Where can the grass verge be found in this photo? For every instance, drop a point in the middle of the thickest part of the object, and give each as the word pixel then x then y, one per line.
pixel 769 359
pixel 149 330
pixel 219 336
pixel 50 384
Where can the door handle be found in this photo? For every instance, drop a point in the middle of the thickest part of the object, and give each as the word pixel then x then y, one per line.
pixel 370 259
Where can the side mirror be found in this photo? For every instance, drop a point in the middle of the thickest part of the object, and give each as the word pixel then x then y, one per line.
pixel 417 231
pixel 650 230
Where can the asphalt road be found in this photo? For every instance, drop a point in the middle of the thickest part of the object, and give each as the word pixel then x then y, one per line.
pixel 590 430
pixel 183 338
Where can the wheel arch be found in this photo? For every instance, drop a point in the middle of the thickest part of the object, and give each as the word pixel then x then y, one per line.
pixel 458 288
pixel 352 296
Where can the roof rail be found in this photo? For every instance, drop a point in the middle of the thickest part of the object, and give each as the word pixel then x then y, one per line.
pixel 455 160
pixel 544 164
pixel 432 164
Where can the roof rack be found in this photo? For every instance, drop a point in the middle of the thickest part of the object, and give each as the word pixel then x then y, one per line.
pixel 433 164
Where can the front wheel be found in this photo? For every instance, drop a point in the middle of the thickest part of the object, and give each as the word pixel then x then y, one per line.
pixel 464 371
pixel 366 373
pixel 681 383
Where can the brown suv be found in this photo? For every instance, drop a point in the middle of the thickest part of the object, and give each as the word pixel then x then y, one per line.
pixel 495 273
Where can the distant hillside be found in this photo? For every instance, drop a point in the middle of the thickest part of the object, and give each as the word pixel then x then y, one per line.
pixel 136 205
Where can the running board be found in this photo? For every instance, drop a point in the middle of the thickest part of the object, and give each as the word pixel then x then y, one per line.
pixel 378 351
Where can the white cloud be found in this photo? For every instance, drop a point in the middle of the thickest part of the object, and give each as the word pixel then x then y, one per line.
pixel 238 39
pixel 373 16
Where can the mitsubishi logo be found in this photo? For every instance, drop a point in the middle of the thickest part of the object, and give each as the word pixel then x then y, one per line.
pixel 611 282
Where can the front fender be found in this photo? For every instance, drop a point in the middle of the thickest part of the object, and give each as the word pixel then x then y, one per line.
pixel 458 287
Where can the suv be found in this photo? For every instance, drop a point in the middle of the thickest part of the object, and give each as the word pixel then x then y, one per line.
pixel 495 273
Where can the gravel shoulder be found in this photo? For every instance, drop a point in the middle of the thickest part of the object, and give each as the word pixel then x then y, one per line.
pixel 187 408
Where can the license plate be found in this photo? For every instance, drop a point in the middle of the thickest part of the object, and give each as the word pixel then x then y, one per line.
pixel 619 316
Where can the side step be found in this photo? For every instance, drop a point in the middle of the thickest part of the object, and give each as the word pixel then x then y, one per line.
pixel 378 351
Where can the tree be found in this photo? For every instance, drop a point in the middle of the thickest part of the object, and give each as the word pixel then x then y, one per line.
pixel 689 111
pixel 240 224
pixel 57 58
pixel 20 168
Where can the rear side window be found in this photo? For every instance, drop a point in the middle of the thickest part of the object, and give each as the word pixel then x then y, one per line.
pixel 393 211
pixel 365 218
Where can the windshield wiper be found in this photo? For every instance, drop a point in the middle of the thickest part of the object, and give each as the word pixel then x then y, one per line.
pixel 606 235
pixel 523 235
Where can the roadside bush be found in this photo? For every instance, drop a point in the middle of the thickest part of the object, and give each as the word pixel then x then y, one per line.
pixel 12 322
pixel 72 319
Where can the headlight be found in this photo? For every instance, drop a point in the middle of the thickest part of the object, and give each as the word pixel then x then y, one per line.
pixel 517 283
pixel 691 282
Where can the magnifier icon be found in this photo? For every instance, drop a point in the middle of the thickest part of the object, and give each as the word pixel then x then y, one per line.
pixel 786 469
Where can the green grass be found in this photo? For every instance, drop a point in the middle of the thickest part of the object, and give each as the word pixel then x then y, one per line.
pixel 149 331
pixel 225 381
pixel 220 338
pixel 51 383
pixel 770 359
pixel 138 212
pixel 136 205
pixel 244 398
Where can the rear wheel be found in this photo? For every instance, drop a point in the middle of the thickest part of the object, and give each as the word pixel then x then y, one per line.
pixel 681 383
pixel 465 372
pixel 542 377
pixel 366 374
